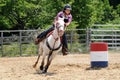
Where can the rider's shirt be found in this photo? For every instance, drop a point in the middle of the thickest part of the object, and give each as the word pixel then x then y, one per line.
pixel 67 18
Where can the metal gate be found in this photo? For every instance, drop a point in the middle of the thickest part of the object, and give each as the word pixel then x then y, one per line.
pixel 21 42
pixel 106 33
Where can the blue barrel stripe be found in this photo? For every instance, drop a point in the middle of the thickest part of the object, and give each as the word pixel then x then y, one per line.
pixel 99 64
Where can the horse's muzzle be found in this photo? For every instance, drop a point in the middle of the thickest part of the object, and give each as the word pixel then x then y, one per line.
pixel 61 32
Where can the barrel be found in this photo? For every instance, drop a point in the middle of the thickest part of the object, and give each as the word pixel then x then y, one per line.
pixel 99 54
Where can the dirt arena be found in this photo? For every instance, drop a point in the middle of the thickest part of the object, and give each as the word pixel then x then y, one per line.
pixel 70 67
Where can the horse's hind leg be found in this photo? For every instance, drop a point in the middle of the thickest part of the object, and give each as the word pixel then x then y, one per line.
pixel 34 66
pixel 39 53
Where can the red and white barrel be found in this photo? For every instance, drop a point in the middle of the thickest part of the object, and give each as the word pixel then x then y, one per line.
pixel 99 54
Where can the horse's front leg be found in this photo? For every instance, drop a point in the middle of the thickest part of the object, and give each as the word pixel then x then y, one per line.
pixel 49 59
pixel 42 63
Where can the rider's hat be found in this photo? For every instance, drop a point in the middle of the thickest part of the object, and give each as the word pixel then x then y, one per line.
pixel 67 6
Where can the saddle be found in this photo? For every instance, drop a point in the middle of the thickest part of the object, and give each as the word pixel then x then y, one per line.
pixel 38 40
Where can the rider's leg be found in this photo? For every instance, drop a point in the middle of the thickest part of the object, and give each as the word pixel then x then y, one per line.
pixel 65 45
pixel 42 36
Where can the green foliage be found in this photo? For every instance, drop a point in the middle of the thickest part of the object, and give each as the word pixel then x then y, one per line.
pixel 117 15
pixel 80 9
pixel 33 14
pixel 4 23
pixel 25 14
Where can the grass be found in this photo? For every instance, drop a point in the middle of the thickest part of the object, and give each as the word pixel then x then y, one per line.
pixel 16 49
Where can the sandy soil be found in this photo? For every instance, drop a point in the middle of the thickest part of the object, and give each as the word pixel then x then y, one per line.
pixel 70 67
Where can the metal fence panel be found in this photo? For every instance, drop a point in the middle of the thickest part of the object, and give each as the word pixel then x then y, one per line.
pixel 106 33
pixel 21 42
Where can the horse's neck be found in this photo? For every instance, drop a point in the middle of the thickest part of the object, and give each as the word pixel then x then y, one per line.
pixel 54 39
pixel 55 34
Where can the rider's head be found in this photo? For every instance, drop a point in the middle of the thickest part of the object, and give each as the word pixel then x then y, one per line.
pixel 67 9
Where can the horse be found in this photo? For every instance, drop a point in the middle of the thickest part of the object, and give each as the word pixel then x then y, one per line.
pixel 50 46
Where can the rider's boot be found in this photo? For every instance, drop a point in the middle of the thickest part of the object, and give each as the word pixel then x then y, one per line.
pixel 65 45
pixel 65 50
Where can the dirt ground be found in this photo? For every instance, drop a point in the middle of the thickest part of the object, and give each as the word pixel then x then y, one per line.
pixel 70 67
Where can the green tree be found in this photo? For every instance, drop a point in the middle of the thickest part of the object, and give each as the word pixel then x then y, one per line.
pixel 25 14
pixel 116 14
pixel 4 21
pixel 84 13
pixel 110 15
pixel 33 14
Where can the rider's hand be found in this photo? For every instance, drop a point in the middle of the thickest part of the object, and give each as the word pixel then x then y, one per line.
pixel 66 24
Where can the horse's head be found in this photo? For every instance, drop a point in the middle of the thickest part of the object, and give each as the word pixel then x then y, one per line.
pixel 59 25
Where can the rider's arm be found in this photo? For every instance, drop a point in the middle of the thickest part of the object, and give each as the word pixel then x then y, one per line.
pixel 69 20
pixel 59 15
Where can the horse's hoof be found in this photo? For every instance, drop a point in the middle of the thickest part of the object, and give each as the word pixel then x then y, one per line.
pixel 44 72
pixel 41 67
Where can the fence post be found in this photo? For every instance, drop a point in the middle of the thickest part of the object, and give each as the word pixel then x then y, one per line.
pixel 88 33
pixel 20 42
pixel 71 39
pixel 2 43
pixel 115 39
